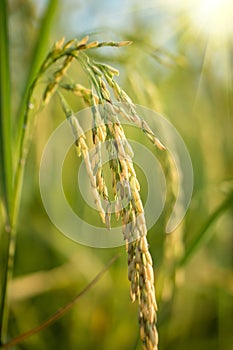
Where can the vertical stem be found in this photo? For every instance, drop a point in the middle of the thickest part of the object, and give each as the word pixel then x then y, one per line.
pixel 6 175
pixel 10 194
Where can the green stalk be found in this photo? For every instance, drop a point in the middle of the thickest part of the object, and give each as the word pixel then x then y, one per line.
pixel 6 175
pixel 11 193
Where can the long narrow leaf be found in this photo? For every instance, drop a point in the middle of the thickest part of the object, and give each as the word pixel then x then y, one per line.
pixel 37 57
pixel 201 235
pixel 5 113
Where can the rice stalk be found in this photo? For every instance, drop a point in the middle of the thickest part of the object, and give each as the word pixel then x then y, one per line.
pixel 106 131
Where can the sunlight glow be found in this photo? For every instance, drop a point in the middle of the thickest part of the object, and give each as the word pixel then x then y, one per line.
pixel 213 19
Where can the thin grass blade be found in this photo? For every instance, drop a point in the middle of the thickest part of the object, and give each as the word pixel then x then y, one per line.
pixel 203 233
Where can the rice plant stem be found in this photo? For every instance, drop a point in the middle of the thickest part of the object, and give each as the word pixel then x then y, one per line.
pixel 10 189
pixel 6 177
pixel 8 242
pixel 61 312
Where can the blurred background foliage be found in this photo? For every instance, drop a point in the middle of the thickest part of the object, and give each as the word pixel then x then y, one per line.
pixel 184 72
